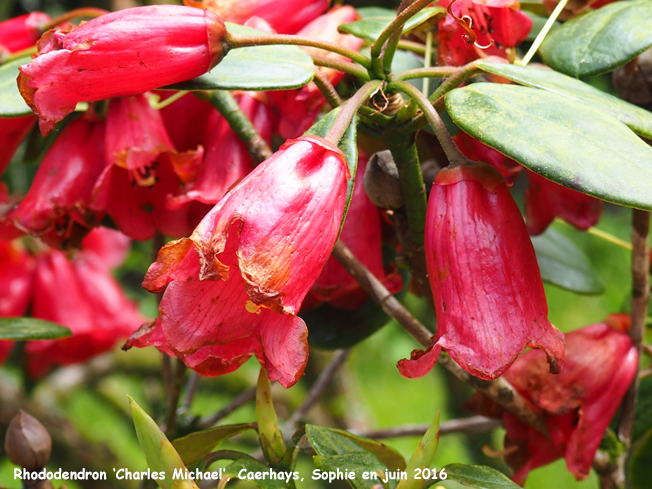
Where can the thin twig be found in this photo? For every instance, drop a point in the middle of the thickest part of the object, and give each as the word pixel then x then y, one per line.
pixel 242 399
pixel 327 89
pixel 173 398
pixel 319 387
pixel 191 390
pixel 498 390
pixel 474 424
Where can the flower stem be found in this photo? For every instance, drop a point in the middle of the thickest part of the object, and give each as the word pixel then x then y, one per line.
pixel 155 100
pixel 426 62
pixel 542 35
pixel 452 153
pixel 343 66
pixel 88 12
pixel 397 26
pixel 327 89
pixel 349 109
pixel 235 41
pixel 430 72
pixel 226 105
pixel 604 235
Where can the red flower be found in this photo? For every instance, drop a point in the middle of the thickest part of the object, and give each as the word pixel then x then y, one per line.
pixel 186 136
pixel 361 233
pixel 56 205
pixel 22 32
pixel 578 404
pixel 236 285
pixel 165 44
pixel 299 108
pixel 496 25
pixel 227 160
pixel 12 132
pixel 286 17
pixel 93 305
pixel 477 151
pixel 488 293
pixel 546 200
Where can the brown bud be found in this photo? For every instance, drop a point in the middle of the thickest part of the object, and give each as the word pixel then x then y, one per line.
pixel 27 443
pixel 633 82
pixel 382 183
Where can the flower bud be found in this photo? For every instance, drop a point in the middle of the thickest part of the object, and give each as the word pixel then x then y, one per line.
pixel 382 182
pixel 27 443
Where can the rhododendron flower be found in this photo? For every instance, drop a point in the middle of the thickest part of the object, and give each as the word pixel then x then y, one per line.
pixel 22 32
pixel 484 275
pixel 477 151
pixel 578 404
pixel 299 108
pixel 166 44
pixel 186 136
pixel 546 200
pixel 285 17
pixel 496 25
pixel 361 233
pixel 56 205
pixel 16 275
pixel 235 286
pixel 12 132
pixel 82 295
pixel 227 160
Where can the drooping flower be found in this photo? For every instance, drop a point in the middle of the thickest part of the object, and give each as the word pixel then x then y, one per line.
pixel 183 135
pixel 477 151
pixel 493 26
pixel 56 205
pixel 361 234
pixel 299 108
pixel 235 286
pixel 285 17
pixel 93 306
pixel 484 275
pixel 22 32
pixel 95 61
pixel 12 132
pixel 16 276
pixel 546 200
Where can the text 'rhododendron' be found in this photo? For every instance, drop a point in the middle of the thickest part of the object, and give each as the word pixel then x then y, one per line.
pixel 122 53
pixel 235 286
pixel 484 275
pixel 578 404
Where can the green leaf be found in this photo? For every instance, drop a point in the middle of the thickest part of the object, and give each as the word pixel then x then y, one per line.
pixel 12 103
pixel 643 417
pixel 358 463
pixel 348 144
pixel 538 21
pixel 255 68
pixel 600 40
pixel 563 140
pixel 24 329
pixel 326 442
pixel 479 477
pixel 330 437
pixel 192 448
pixel 638 119
pixel 640 464
pixel 371 27
pixel 254 466
pixel 563 264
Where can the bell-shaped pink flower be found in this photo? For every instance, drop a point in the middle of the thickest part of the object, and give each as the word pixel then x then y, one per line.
pixel 22 32
pixel 361 234
pixel 185 136
pixel 546 200
pixel 299 108
pixel 165 44
pixel 235 286
pixel 227 160
pixel 477 151
pixel 16 279
pixel 56 205
pixel 286 17
pixel 495 25
pixel 93 306
pixel 12 132
pixel 578 404
pixel 484 275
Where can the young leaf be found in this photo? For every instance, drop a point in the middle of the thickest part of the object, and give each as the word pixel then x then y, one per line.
pixel 357 463
pixel 640 464
pixel 255 68
pixel 251 465
pixel 11 101
pixel 195 446
pixel 563 264
pixel 271 438
pixel 422 457
pixel 24 329
pixel 601 40
pixel 637 119
pixel 371 27
pixel 565 141
pixel 479 477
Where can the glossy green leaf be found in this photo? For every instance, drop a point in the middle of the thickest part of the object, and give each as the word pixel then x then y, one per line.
pixel 563 264
pixel 637 119
pixel 565 141
pixel 371 27
pixel 195 446
pixel 358 463
pixel 640 464
pixel 371 12
pixel 479 477
pixel 254 466
pixel 600 40
pixel 255 68
pixel 24 329
pixel 11 102
pixel 326 442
